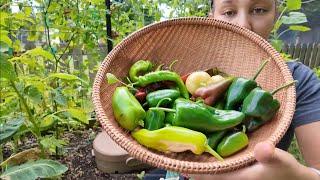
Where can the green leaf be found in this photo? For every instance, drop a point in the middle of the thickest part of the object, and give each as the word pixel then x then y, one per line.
pixel 111 78
pixel 51 143
pixel 43 168
pixel 47 122
pixel 40 52
pixel 6 68
pixel 293 4
pixel 299 28
pixel 64 76
pixel 6 39
pixel 59 97
pixel 277 44
pixel 22 157
pixel 7 130
pixel 294 18
pixel 79 114
pixel 34 94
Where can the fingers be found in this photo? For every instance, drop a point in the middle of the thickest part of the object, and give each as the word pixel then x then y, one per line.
pixel 264 152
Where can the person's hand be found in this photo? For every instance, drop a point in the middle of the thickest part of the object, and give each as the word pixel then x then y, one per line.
pixel 272 164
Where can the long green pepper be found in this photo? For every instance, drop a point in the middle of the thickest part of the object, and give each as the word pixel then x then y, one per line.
pixel 175 139
pixel 127 109
pixel 163 75
pixel 200 117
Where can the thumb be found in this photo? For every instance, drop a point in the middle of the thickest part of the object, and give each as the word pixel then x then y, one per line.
pixel 265 153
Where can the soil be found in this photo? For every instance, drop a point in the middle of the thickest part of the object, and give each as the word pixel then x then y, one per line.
pixel 77 155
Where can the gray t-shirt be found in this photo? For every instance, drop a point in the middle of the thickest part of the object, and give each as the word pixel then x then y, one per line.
pixel 307 100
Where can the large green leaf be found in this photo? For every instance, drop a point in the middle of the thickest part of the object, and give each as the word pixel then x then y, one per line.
pixel 34 94
pixel 43 168
pixel 47 122
pixel 64 76
pixel 22 157
pixel 293 4
pixel 51 143
pixel 79 114
pixel 7 130
pixel 59 97
pixel 294 18
pixel 6 68
pixel 299 28
pixel 4 38
pixel 40 52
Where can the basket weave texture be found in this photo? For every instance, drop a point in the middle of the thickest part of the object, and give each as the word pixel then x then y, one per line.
pixel 197 44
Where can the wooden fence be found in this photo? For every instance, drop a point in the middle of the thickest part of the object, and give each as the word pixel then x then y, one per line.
pixel 308 54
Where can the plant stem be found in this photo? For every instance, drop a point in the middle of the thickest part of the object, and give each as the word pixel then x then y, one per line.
pixel 163 109
pixel 37 132
pixel 283 86
pixel 1 153
pixel 261 68
pixel 24 103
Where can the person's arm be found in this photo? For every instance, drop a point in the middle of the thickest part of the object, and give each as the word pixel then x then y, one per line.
pixel 308 137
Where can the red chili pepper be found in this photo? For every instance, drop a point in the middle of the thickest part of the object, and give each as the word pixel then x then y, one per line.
pixel 184 77
pixel 141 95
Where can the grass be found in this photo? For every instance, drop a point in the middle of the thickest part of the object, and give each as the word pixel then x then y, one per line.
pixel 294 150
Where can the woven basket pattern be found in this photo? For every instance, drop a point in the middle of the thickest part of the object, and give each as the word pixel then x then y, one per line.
pixel 197 44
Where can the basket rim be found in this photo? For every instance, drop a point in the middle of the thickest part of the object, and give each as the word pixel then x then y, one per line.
pixel 186 166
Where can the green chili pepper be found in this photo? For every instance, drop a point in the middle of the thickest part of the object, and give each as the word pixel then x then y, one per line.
pixel 154 97
pixel 232 143
pixel 214 138
pixel 170 116
pixel 138 68
pixel 240 88
pixel 126 108
pixel 174 139
pixel 253 124
pixel 163 75
pixel 220 104
pixel 260 104
pixel 155 118
pixel 200 117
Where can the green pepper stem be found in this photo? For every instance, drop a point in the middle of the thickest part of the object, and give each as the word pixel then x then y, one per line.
pixel 260 68
pixel 171 65
pixel 159 103
pixel 163 109
pixel 213 153
pixel 283 86
pixel 159 68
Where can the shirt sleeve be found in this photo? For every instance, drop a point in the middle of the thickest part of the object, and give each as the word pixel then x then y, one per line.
pixel 308 95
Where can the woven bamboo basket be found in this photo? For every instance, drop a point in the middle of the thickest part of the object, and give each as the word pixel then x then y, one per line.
pixel 197 44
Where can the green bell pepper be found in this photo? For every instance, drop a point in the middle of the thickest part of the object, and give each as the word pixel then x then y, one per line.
pixel 214 138
pixel 174 139
pixel 126 109
pixel 232 143
pixel 239 90
pixel 260 106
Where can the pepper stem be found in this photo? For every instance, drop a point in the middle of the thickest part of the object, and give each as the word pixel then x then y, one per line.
pixel 171 65
pixel 283 86
pixel 159 103
pixel 213 153
pixel 261 68
pixel 163 109
pixel 159 68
